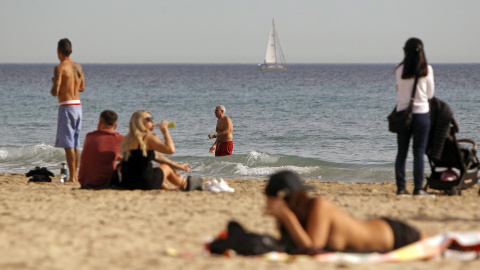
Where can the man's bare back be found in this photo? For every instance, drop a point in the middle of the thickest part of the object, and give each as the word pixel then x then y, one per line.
pixel 67 80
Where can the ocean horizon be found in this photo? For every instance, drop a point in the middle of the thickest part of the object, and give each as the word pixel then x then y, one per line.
pixel 325 121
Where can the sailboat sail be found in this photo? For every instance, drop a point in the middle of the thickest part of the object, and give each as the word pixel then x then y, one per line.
pixel 274 59
pixel 270 57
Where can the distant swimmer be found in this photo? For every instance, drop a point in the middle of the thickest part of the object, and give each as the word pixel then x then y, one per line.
pixel 68 81
pixel 223 145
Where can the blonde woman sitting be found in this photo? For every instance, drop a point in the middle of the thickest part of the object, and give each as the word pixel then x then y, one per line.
pixel 139 148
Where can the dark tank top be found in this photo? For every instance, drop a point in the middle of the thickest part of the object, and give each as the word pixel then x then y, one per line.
pixel 138 172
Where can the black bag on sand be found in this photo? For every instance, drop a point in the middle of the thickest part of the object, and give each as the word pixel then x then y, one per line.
pixel 39 175
pixel 402 120
pixel 245 243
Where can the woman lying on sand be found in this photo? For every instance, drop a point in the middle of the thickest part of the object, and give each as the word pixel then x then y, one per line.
pixel 138 151
pixel 312 224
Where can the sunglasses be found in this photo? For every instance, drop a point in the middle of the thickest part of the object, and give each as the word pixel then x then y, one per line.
pixel 149 119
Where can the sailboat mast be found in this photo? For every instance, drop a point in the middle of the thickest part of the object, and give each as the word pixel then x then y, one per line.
pixel 279 58
pixel 274 33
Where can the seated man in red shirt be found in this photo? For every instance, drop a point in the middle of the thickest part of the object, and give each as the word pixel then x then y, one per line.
pixel 100 153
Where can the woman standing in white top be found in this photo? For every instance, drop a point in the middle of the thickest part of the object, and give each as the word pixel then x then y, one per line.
pixel 414 64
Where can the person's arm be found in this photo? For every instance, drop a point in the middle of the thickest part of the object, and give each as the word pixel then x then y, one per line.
pixel 164 160
pixel 320 221
pixel 56 81
pixel 278 208
pixel 153 142
pixel 214 146
pixel 82 78
pixel 430 83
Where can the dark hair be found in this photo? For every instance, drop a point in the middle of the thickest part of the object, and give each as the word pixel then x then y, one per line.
pixel 109 117
pixel 65 46
pixel 283 184
pixel 415 62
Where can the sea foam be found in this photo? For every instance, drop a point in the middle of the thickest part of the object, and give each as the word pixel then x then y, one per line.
pixel 16 159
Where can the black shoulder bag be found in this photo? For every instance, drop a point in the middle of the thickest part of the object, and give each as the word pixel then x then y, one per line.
pixel 402 120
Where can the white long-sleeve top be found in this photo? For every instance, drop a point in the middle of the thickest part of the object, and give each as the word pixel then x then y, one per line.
pixel 425 90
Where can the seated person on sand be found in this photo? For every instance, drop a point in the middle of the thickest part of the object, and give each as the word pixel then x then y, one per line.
pixel 100 153
pixel 313 224
pixel 138 150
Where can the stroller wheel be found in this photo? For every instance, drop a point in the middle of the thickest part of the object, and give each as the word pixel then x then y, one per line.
pixel 454 191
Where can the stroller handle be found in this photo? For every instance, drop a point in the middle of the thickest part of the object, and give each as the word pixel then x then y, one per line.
pixel 469 141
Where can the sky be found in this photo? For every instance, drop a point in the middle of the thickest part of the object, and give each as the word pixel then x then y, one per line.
pixel 236 31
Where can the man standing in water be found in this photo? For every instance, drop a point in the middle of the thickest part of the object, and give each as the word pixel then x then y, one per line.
pixel 67 81
pixel 223 145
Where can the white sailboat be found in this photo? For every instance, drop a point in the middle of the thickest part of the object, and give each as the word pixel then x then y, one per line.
pixel 274 59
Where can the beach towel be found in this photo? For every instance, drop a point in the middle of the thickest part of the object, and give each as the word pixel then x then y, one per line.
pixel 462 246
pixel 450 245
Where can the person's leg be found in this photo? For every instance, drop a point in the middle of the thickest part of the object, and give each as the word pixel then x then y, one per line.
pixel 72 161
pixel 403 141
pixel 76 137
pixel 421 129
pixel 68 137
pixel 173 177
pixel 77 158
pixel 76 122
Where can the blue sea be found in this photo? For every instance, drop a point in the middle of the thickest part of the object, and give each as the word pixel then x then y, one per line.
pixel 325 121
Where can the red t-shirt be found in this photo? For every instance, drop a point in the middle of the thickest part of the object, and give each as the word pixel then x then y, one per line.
pixel 99 155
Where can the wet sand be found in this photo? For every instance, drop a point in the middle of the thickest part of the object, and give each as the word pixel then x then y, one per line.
pixel 56 226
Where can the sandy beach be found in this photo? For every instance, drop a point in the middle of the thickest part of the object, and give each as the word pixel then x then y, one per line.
pixel 57 226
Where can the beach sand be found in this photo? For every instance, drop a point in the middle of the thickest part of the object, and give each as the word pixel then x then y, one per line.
pixel 56 226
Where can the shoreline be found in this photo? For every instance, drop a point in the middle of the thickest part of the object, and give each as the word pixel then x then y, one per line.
pixel 56 226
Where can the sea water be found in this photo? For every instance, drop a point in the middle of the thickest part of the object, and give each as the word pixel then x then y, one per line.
pixel 325 121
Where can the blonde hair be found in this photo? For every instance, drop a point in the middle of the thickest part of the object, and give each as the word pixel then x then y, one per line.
pixel 136 128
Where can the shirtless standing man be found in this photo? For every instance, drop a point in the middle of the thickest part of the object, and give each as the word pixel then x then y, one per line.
pixel 223 145
pixel 67 81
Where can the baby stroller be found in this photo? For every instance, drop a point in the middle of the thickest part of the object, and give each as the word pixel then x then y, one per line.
pixel 454 165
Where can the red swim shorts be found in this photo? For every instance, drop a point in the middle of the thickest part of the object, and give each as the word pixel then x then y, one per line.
pixel 224 149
